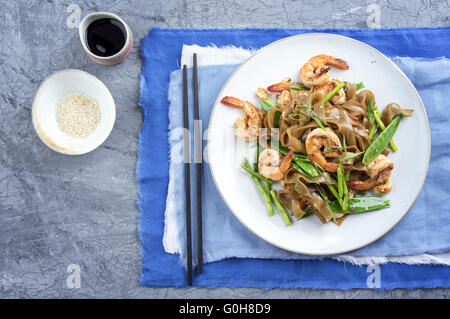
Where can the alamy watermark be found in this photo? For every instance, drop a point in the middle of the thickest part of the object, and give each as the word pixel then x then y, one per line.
pixel 73 280
pixel 74 18
pixel 374 279
pixel 372 10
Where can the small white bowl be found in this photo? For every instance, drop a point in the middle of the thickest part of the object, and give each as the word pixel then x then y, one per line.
pixel 52 91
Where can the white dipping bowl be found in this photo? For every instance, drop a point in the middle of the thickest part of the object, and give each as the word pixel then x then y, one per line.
pixel 52 91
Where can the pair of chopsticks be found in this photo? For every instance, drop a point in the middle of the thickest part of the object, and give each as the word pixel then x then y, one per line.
pixel 187 171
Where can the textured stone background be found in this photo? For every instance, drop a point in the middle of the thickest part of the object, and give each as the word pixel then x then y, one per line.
pixel 58 210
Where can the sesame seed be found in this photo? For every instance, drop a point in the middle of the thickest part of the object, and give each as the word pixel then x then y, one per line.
pixel 78 115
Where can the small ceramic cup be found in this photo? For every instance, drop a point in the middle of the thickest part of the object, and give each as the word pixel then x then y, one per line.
pixel 109 60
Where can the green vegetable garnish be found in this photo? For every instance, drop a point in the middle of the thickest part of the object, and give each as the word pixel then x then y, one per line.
pixel 333 92
pixel 352 156
pixel 360 204
pixel 372 131
pixel 370 112
pixel 317 120
pixel 382 140
pixel 302 161
pixel 359 86
pixel 280 208
pixel 266 105
pixel 276 119
pixel 253 173
pixel 383 127
pixel 264 192
pixel 298 88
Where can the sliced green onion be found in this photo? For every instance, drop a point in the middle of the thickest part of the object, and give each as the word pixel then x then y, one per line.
pixel 317 120
pixel 296 117
pixel 340 180
pixel 349 157
pixel 266 105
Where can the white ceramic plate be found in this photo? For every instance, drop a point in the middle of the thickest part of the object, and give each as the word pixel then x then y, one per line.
pixel 284 58
pixel 54 89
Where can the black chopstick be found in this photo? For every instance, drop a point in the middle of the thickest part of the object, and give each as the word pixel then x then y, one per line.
pixel 187 174
pixel 198 168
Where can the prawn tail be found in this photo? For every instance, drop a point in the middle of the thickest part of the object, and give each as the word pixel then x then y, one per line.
pixel 279 87
pixel 338 63
pixel 286 163
pixel 233 101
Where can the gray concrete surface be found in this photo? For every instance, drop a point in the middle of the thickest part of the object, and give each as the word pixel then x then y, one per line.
pixel 57 210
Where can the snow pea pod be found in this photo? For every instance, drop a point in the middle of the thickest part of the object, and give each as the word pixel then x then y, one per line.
pixel 302 162
pixel 360 204
pixel 382 140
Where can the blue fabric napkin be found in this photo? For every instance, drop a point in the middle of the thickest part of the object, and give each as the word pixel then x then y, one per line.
pixel 161 52
pixel 419 232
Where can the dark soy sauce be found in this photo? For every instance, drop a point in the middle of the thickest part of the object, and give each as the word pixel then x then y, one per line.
pixel 105 37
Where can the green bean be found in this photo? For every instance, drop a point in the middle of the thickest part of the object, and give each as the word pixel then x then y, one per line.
pixel 340 180
pixel 266 105
pixel 265 195
pixel 370 112
pixel 334 192
pixel 383 127
pixel 327 202
pixel 276 119
pixel 280 207
pixel 333 92
pixel 249 170
pixel 361 204
pixel 382 140
pixel 269 206
pixel 372 131
pixel 264 192
pixel 298 88
pixel 255 165
pixel 345 184
pixel 345 202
